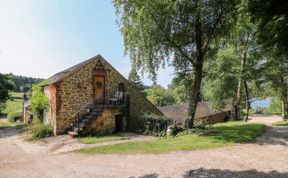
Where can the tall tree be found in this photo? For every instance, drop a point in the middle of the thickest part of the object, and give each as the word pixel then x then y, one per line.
pixel 235 65
pixel 6 85
pixel 244 41
pixel 276 75
pixel 272 19
pixel 156 31
pixel 136 80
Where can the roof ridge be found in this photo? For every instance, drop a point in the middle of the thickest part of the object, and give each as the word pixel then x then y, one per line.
pixel 64 73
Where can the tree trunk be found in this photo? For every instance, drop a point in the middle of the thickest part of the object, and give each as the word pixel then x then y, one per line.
pixel 194 96
pixel 247 100
pixel 236 104
pixel 284 98
pixel 198 68
pixel 285 109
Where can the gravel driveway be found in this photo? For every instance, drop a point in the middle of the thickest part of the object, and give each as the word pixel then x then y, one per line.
pixel 265 158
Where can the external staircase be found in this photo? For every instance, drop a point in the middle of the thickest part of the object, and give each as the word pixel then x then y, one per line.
pixel 82 121
pixel 91 110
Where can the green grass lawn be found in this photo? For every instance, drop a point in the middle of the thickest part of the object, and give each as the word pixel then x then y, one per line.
pixel 5 124
pixel 92 140
pixel 223 134
pixel 281 123
pixel 12 106
pixel 16 94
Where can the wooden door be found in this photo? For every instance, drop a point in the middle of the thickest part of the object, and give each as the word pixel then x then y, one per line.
pixel 99 88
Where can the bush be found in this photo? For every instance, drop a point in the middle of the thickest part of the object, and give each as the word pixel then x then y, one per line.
pixel 39 102
pixel 13 116
pixel 153 124
pixel 38 130
pixel 175 129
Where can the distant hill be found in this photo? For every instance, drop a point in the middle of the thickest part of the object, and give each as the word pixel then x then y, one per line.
pixel 23 83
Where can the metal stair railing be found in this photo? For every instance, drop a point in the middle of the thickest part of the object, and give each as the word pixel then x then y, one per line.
pixel 110 98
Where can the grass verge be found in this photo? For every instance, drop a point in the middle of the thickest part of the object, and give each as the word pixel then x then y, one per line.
pixel 92 140
pixel 6 124
pixel 17 94
pixel 280 123
pixel 223 134
pixel 12 106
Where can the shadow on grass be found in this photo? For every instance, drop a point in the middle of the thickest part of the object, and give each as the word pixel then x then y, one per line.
pixel 217 173
pixel 237 133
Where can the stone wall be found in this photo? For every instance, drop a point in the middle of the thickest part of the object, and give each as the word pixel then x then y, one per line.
pixel 27 113
pixel 76 89
pixel 138 101
pixel 50 115
pixel 73 92
pixel 104 123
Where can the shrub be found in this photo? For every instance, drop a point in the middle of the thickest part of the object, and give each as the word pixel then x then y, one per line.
pixel 38 130
pixel 153 124
pixel 176 129
pixel 13 116
pixel 39 102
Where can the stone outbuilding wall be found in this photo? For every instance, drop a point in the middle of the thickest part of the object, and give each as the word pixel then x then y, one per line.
pixel 70 90
pixel 105 123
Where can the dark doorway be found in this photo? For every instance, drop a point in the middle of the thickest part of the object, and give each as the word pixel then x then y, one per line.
pixel 118 123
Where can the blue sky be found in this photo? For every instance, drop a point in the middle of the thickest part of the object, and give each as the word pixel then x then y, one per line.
pixel 41 37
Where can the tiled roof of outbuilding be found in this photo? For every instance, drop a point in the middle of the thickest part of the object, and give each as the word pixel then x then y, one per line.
pixel 179 112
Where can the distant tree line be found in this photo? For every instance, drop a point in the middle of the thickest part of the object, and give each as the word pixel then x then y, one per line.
pixel 22 83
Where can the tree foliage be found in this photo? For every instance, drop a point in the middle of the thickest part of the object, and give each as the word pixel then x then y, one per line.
pixel 179 86
pixel 221 77
pixel 6 85
pixel 272 19
pixel 22 83
pixel 160 96
pixel 136 80
pixel 39 102
pixel 179 32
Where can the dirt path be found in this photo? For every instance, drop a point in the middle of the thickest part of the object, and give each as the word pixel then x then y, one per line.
pixel 266 158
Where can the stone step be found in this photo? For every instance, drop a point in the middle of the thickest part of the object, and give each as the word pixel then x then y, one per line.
pixel 94 113
pixel 87 117
pixel 77 130
pixel 73 134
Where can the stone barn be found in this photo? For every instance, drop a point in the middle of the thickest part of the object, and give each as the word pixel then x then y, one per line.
pixel 93 97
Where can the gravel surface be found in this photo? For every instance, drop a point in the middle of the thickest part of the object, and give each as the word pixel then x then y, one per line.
pixel 265 158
